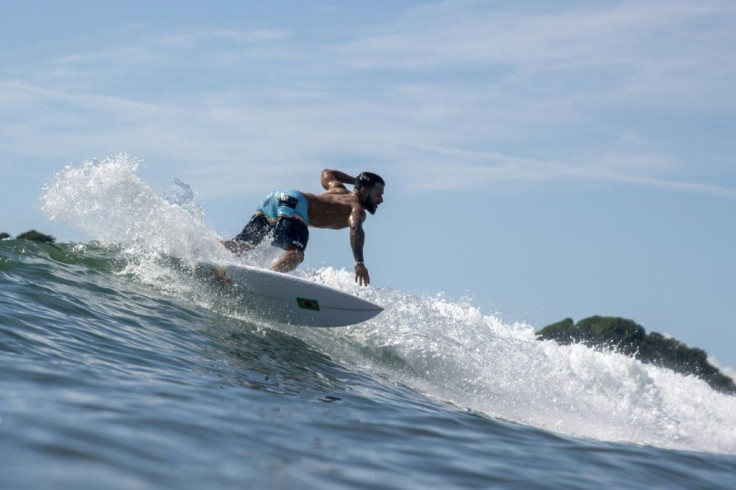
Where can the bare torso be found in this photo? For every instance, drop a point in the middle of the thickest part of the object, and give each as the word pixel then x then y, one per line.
pixel 332 209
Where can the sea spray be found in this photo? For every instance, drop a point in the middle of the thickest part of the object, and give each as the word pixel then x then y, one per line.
pixel 452 352
pixel 107 201
pixel 110 203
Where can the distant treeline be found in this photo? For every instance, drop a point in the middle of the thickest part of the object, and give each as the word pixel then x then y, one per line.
pixel 625 336
pixel 30 235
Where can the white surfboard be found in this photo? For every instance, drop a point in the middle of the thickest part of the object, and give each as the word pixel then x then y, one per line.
pixel 289 299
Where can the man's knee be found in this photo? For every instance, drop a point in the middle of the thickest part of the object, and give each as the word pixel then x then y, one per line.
pixel 296 255
pixel 289 260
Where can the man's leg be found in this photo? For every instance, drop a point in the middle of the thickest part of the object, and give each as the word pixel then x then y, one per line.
pixel 289 260
pixel 292 235
pixel 254 232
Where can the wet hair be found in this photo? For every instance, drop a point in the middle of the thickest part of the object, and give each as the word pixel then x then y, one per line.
pixel 368 180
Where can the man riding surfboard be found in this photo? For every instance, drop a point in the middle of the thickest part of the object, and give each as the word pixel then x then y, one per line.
pixel 286 215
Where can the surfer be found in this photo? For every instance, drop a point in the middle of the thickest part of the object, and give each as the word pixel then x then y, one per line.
pixel 286 215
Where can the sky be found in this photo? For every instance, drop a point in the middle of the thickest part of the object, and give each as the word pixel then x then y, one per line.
pixel 543 159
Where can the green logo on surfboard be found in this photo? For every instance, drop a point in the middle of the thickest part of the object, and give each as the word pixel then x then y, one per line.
pixel 308 304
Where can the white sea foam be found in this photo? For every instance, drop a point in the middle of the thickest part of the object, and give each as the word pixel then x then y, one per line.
pixel 449 351
pixel 452 352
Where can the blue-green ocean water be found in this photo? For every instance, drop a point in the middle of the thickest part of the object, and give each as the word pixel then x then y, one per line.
pixel 120 368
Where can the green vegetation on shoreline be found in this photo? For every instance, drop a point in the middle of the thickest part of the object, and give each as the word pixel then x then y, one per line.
pixel 629 338
pixel 32 235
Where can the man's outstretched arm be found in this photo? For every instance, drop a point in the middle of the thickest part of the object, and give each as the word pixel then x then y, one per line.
pixel 332 179
pixel 357 240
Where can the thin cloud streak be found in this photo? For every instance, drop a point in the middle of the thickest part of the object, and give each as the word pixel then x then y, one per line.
pixel 461 33
pixel 503 169
pixel 230 36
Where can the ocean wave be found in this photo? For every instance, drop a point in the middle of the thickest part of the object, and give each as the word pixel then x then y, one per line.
pixel 448 351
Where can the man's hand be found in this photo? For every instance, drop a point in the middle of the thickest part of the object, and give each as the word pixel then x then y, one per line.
pixel 361 275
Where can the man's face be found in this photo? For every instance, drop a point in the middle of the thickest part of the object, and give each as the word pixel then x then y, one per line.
pixel 373 197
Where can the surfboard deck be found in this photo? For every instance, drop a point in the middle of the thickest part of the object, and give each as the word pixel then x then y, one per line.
pixel 288 299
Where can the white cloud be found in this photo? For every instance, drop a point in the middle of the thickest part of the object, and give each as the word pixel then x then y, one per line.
pixel 470 92
pixel 627 52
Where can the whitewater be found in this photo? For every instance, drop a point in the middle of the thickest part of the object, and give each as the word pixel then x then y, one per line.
pixel 122 369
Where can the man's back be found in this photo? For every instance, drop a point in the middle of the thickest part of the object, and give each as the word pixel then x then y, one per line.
pixel 332 209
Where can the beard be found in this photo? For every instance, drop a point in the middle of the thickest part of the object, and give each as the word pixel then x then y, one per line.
pixel 369 205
